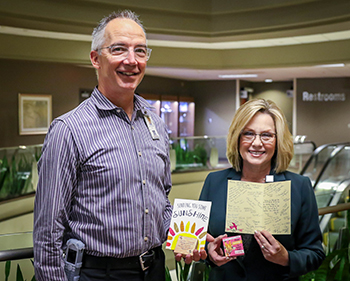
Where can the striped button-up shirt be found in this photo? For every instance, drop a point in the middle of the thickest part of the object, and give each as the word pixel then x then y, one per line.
pixel 103 179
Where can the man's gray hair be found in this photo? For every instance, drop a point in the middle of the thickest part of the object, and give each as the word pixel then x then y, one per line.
pixel 98 38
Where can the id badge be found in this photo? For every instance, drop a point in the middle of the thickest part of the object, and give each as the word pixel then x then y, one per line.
pixel 151 127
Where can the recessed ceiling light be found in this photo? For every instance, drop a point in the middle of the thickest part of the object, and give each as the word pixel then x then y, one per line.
pixel 268 80
pixel 331 65
pixel 238 75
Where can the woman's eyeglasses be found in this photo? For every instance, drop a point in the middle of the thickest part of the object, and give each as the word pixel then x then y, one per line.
pixel 265 137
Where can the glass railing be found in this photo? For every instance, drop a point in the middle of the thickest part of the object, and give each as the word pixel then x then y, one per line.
pixel 329 170
pixel 338 168
pixel 18 240
pixel 332 185
pixel 19 175
pixel 329 167
pixel 336 245
pixel 302 152
pixel 319 160
pixel 198 153
pixel 18 248
pixel 18 170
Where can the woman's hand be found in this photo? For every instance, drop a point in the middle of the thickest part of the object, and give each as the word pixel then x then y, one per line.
pixel 197 255
pixel 272 250
pixel 215 252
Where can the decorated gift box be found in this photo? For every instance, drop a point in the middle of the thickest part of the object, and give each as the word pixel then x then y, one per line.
pixel 233 246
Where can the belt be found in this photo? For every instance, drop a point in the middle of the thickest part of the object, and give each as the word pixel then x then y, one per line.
pixel 143 261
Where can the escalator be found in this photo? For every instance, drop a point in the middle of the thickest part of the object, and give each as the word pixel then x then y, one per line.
pixel 329 171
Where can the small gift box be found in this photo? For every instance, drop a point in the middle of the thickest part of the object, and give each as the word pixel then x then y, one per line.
pixel 233 246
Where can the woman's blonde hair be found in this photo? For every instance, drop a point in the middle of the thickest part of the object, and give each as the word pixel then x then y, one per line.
pixel 284 140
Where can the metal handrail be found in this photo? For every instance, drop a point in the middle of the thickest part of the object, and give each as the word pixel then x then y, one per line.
pixel 334 153
pixel 17 254
pixel 23 210
pixel 28 253
pixel 199 137
pixel 317 151
pixel 307 142
pixel 334 209
pixel 333 204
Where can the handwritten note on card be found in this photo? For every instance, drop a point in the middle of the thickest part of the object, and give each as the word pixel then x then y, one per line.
pixel 257 206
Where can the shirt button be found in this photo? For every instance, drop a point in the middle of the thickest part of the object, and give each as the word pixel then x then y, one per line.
pixel 144 181
pixel 132 128
pixel 146 211
pixel 146 239
pixel 139 153
pixel 118 110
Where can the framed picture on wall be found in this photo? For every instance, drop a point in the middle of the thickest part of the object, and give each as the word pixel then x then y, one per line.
pixel 35 113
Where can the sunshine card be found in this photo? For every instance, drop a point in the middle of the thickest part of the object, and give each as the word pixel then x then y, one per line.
pixel 188 226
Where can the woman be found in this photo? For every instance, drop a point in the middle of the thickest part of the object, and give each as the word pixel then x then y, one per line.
pixel 259 144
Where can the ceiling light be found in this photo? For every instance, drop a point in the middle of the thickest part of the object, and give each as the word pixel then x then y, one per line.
pixel 268 80
pixel 238 75
pixel 331 65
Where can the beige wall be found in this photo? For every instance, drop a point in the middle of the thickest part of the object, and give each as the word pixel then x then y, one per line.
pixel 324 121
pixel 277 92
pixel 215 106
pixel 64 81
pixel 59 80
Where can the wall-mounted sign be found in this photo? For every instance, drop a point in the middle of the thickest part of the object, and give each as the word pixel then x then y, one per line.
pixel 327 97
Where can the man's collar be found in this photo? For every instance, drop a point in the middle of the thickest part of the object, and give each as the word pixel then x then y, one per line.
pixel 141 104
pixel 103 103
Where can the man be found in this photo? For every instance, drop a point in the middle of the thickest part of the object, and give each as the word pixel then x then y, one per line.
pixel 105 171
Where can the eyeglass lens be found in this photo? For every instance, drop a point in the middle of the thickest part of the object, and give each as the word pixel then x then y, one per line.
pixel 140 53
pixel 264 137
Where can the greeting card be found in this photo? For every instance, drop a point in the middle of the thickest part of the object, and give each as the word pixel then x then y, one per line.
pixel 188 226
pixel 256 206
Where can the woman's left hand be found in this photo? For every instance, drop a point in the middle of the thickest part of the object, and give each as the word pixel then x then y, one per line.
pixel 272 250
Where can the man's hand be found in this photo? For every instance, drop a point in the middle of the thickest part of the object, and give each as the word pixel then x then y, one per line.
pixel 197 255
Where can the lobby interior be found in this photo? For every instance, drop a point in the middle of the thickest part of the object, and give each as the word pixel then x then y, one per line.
pixel 206 50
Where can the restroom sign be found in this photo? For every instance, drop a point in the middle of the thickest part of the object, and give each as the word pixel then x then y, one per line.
pixel 326 97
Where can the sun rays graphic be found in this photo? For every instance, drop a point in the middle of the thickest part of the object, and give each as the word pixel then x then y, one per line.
pixel 188 231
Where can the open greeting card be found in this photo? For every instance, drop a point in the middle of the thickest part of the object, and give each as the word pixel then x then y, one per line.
pixel 188 227
pixel 256 206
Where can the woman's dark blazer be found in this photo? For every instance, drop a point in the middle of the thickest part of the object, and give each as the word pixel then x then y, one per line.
pixel 304 245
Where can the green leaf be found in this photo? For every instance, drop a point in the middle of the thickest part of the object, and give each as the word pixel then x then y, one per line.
pixel 4 170
pixel 167 274
pixel 178 267
pixel 207 272
pixel 186 270
pixel 346 272
pixel 7 270
pixel 19 276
